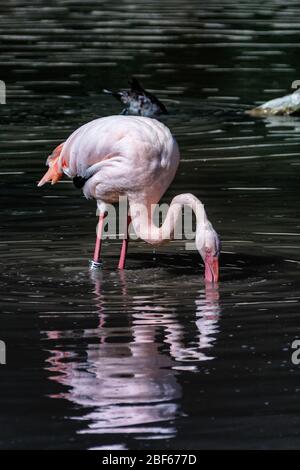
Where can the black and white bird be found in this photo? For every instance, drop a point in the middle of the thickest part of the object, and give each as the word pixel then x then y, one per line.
pixel 138 101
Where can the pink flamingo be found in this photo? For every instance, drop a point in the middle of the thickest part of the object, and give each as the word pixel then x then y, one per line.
pixel 135 157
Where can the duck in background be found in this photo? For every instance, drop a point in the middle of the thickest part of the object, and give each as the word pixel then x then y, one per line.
pixel 138 101
pixel 284 106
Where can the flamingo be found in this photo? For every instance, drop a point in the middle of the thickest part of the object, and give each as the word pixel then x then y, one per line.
pixel 136 157
pixel 138 101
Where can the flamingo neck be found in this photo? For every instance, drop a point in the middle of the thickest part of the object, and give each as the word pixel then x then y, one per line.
pixel 147 230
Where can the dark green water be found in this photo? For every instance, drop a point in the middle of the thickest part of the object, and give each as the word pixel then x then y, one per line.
pixel 150 359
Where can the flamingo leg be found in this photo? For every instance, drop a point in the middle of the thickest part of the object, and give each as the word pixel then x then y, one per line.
pixel 96 262
pixel 124 248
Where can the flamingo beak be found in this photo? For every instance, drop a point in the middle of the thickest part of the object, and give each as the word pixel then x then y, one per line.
pixel 211 268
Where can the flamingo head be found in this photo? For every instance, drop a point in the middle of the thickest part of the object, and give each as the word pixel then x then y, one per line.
pixel 210 251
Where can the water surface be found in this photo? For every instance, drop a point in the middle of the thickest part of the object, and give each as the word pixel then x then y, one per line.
pixel 151 358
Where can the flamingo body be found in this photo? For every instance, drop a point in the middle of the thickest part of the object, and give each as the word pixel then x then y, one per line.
pixel 121 155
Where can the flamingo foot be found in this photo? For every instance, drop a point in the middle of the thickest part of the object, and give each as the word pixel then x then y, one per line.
pixel 95 265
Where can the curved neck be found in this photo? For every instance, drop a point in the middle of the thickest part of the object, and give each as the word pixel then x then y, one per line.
pixel 147 230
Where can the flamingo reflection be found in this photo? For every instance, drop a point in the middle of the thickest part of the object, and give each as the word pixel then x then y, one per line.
pixel 128 375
